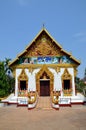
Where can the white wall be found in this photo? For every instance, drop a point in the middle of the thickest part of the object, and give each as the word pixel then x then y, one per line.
pixel 57 79
pixel 32 79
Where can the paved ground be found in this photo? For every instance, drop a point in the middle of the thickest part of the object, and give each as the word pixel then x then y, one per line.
pixel 19 118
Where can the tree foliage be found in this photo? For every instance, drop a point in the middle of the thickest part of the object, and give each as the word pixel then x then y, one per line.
pixel 81 86
pixel 6 81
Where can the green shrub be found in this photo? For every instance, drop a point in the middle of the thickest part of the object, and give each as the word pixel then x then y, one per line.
pixel 2 93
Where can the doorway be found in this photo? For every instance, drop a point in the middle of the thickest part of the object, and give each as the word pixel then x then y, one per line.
pixel 45 88
pixel 23 85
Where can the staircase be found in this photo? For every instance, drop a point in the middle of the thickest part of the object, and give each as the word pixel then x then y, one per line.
pixel 44 103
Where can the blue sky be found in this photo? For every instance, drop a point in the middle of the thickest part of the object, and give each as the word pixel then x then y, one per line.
pixel 65 20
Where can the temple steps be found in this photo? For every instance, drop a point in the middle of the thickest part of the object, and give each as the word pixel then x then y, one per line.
pixel 44 102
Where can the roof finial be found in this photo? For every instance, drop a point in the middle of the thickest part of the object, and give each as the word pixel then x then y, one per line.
pixel 43 25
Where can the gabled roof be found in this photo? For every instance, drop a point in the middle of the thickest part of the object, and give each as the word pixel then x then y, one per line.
pixel 57 44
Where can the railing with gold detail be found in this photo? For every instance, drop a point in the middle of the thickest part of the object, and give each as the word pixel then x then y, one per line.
pixel 67 92
pixel 22 93
pixel 54 96
pixel 32 99
pixel 55 99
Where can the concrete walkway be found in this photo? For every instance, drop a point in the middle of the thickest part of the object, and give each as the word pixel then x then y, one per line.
pixel 66 118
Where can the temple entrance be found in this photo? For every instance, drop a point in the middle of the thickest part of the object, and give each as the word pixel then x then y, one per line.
pixel 45 88
pixel 44 81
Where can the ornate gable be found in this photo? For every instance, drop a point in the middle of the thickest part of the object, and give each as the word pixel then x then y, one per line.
pixel 44 45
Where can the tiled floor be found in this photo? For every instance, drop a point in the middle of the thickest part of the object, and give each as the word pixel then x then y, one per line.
pixel 44 103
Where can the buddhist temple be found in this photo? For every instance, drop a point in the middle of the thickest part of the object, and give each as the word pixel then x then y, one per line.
pixel 45 69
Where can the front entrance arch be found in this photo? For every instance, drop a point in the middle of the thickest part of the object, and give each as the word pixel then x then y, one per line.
pixel 44 76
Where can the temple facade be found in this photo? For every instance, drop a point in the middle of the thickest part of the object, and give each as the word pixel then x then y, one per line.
pixel 45 68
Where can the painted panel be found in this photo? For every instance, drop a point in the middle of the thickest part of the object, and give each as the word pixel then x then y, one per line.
pixel 45 60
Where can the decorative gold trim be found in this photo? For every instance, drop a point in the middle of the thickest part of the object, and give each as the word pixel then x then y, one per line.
pixel 75 72
pixel 66 76
pixel 34 66
pixel 39 74
pixel 58 69
pixel 23 77
pixel 55 97
pixel 32 96
pixel 31 67
pixel 67 92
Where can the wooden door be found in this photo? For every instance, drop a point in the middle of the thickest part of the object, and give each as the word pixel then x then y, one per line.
pixel 44 88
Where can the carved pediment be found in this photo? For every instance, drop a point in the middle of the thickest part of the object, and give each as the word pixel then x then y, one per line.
pixel 44 72
pixel 23 76
pixel 44 47
pixel 66 75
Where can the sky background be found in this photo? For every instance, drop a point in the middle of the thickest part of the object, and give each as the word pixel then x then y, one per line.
pixel 65 20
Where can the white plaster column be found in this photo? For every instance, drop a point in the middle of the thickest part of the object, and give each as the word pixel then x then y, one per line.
pixel 18 71
pixel 32 80
pixel 73 86
pixel 71 71
pixel 57 80
pixel 60 74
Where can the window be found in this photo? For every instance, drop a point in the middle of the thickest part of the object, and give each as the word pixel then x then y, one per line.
pixel 66 84
pixel 23 85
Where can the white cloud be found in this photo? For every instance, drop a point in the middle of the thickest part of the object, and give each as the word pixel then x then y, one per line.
pixel 80 36
pixel 23 2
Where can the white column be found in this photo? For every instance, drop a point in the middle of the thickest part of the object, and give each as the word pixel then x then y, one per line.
pixel 18 71
pixel 73 86
pixel 71 71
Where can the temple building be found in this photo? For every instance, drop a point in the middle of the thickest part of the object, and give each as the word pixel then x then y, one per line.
pixel 43 69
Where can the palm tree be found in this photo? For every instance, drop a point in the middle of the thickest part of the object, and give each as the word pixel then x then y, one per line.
pixel 6 63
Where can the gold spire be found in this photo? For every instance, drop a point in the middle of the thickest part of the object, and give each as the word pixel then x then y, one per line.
pixel 43 25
